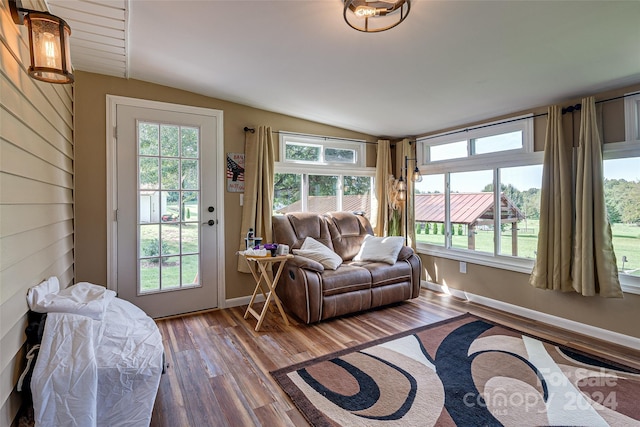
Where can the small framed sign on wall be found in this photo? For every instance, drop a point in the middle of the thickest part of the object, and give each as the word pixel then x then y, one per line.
pixel 235 172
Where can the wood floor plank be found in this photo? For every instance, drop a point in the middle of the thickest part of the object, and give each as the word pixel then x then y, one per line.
pixel 220 366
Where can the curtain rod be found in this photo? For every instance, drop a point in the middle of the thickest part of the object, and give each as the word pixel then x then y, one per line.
pixel 569 109
pixel 362 141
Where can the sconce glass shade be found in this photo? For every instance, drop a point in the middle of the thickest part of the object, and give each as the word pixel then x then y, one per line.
pixel 417 176
pixel 49 48
pixel 402 186
pixel 370 16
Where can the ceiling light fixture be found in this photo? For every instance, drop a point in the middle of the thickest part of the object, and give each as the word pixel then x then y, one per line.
pixel 373 16
pixel 48 44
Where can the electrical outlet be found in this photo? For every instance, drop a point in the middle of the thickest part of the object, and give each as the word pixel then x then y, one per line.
pixel 241 199
pixel 463 267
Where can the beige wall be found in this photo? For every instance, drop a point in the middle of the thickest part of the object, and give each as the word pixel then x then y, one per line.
pixel 618 315
pixel 36 197
pixel 90 190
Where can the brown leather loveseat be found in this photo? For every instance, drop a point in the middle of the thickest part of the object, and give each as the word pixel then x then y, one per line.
pixel 314 293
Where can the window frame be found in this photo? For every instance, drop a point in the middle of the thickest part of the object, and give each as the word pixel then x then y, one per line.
pixel 497 260
pixel 522 123
pixel 494 161
pixel 339 169
pixel 324 142
pixel 622 150
pixel 514 158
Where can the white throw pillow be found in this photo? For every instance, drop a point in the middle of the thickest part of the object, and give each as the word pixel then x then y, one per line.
pixel 381 249
pixel 316 251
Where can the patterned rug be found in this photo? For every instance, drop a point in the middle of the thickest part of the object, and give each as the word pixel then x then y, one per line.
pixel 464 371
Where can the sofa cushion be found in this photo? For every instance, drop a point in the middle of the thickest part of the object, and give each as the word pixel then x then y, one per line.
pixel 316 251
pixel 382 249
pixel 307 224
pixel 347 232
pixel 383 274
pixel 346 278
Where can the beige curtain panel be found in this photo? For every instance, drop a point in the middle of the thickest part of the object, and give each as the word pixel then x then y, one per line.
pixel 595 270
pixel 258 188
pixel 408 151
pixel 380 211
pixel 552 269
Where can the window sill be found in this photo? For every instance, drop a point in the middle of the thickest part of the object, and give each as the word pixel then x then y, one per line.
pixel 629 284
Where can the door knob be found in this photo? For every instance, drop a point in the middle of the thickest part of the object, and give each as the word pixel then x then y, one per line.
pixel 210 222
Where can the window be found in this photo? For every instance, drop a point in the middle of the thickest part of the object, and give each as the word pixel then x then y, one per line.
pixel 510 137
pixel 622 199
pixel 632 116
pixel 480 198
pixel 318 174
pixel 169 193
pixel 295 148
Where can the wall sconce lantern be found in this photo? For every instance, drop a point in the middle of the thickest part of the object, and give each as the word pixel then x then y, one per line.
pixel 374 16
pixel 48 44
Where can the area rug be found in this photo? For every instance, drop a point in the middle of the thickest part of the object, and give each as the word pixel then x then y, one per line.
pixel 464 371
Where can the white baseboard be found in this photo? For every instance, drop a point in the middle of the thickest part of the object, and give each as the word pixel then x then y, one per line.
pixel 235 302
pixel 571 325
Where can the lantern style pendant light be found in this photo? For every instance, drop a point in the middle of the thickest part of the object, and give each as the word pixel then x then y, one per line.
pixel 48 45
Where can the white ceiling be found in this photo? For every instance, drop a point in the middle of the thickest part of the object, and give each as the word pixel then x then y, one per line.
pixel 450 63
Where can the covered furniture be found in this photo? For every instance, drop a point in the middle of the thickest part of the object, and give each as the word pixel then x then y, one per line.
pixel 313 292
pixel 99 361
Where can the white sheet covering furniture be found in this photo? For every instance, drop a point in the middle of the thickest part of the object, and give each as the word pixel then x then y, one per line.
pixel 96 372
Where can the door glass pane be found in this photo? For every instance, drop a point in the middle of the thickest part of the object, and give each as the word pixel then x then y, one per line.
pixel 287 191
pixel 170 174
pixel 169 140
pixel 190 207
pixel 168 220
pixel 190 270
pixel 190 175
pixel 148 137
pixel 429 210
pixel 622 199
pixel 520 210
pixel 170 272
pixel 472 211
pixel 356 192
pixel 149 176
pixel 323 192
pixel 189 137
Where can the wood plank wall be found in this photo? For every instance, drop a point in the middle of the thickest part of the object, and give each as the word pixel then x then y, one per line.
pixel 36 197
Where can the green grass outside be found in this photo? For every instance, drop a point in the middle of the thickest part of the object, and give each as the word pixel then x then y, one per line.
pixel 173 276
pixel 626 242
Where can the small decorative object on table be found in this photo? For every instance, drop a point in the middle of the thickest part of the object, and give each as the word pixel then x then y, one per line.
pixel 272 247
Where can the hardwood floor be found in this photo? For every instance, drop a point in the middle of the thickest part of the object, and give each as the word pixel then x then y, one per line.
pixel 219 366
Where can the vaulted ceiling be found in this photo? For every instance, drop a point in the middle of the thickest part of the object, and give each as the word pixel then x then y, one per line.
pixel 449 63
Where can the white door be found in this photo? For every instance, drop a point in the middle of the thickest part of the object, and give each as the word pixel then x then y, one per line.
pixel 166 191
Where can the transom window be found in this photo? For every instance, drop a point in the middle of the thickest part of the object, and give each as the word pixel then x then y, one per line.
pixel 320 150
pixel 514 136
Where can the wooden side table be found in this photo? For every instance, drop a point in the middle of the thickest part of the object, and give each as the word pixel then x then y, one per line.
pixel 259 267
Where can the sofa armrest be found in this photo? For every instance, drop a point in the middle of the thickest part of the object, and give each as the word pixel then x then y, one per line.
pixel 405 253
pixel 305 263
